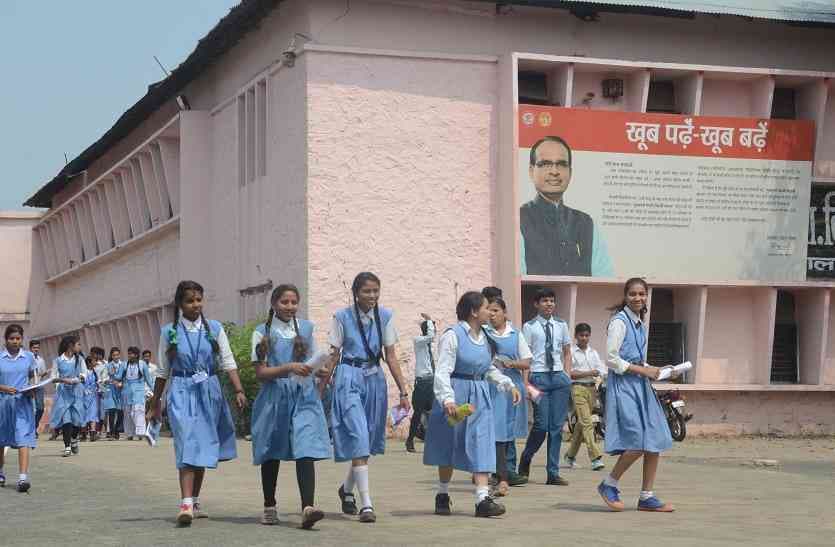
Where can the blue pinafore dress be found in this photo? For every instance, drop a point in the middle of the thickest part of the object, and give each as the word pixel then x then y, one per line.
pixel 68 407
pixel 91 397
pixel 288 420
pixel 17 414
pixel 360 395
pixel 511 421
pixel 204 433
pixel 112 396
pixel 470 445
pixel 634 417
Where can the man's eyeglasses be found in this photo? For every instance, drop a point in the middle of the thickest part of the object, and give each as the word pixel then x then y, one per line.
pixel 547 164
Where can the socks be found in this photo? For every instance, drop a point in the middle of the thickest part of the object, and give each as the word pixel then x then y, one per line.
pixel 480 493
pixel 348 485
pixel 443 487
pixel 188 501
pixel 610 481
pixel 646 494
pixel 23 477
pixel 361 478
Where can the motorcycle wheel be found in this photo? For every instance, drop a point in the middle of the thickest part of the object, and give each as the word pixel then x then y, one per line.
pixel 678 428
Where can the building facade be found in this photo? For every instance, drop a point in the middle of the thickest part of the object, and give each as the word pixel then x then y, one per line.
pixel 304 142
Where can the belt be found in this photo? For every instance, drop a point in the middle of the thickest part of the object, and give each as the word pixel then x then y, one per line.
pixel 358 363
pixel 187 373
pixel 460 376
pixel 579 383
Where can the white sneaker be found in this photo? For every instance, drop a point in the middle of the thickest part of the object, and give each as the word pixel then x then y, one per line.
pixel 597 464
pixel 570 463
pixel 67 452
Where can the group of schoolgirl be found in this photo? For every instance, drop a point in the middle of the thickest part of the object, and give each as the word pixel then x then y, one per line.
pixel 542 362
pixel 111 395
pixel 474 367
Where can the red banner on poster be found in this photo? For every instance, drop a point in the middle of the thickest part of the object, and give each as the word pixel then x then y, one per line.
pixel 668 134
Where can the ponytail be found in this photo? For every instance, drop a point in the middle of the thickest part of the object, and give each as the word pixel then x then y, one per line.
pixel 262 350
pixel 299 345
pixel 494 349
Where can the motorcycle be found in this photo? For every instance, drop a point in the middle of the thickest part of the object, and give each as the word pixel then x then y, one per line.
pixel 597 415
pixel 673 404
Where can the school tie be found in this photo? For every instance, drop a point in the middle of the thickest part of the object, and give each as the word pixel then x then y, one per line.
pixel 549 347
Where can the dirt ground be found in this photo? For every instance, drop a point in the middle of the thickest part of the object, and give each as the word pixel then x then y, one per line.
pixel 125 493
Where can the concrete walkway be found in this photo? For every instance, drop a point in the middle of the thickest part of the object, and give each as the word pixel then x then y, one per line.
pixel 125 493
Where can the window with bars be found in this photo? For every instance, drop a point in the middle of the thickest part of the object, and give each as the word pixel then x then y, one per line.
pixel 254 302
pixel 252 132
pixel 132 198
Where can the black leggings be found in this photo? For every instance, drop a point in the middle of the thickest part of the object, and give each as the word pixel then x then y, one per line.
pixel 501 460
pixel 114 421
pixel 305 476
pixel 70 433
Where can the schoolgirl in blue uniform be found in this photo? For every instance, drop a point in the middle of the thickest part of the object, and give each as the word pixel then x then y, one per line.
pixel 17 413
pixel 112 397
pixel 288 421
pixel 635 423
pixel 515 356
pixel 91 398
pixel 133 377
pixel 191 350
pixel 465 357
pixel 68 410
pixel 359 336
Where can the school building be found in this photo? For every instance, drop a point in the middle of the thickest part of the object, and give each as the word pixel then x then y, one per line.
pixel 306 141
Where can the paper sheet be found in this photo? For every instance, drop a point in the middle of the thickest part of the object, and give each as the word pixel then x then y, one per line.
pixel 670 372
pixel 35 386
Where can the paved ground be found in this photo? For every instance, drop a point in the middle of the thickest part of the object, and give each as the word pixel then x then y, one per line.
pixel 125 493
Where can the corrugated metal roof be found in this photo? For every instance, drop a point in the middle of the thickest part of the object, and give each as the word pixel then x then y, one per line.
pixel 808 11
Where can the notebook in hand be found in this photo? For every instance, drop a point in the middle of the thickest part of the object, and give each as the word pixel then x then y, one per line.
pixel 671 372
pixel 152 432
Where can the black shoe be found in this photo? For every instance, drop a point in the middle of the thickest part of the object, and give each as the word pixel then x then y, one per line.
pixel 443 505
pixel 515 479
pixel 556 480
pixel 410 445
pixel 349 502
pixel 525 468
pixel 74 447
pixel 23 486
pixel 489 508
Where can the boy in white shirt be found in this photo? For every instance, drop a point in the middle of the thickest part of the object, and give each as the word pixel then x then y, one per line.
pixel 586 368
pixel 423 393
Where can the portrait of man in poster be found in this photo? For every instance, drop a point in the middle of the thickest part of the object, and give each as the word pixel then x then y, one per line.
pixel 556 239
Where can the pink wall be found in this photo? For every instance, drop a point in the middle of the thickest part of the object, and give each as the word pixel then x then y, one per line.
pixel 15 276
pixel 468 27
pixel 760 413
pixel 400 168
pixel 733 339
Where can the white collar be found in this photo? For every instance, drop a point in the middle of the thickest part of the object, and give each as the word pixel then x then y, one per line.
pixel 508 330
pixel 632 316
pixel 583 351
pixel 6 353
pixel 197 324
pixel 541 320
pixel 469 330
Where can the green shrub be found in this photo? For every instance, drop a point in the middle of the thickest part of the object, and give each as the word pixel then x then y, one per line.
pixel 240 339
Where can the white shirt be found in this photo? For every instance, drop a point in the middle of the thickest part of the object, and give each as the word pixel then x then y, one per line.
pixel 423 345
pixel 447 353
pixel 101 372
pixel 522 347
pixel 534 333
pixel 40 367
pixel 585 361
pixel 336 335
pixel 614 340
pixel 227 359
pixel 279 328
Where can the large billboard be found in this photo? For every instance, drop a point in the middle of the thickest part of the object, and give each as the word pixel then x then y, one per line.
pixel 821 260
pixel 680 198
